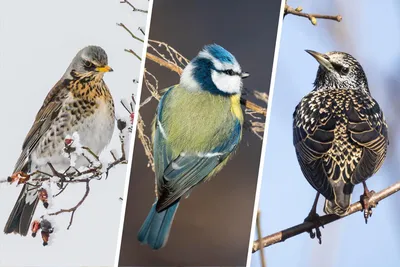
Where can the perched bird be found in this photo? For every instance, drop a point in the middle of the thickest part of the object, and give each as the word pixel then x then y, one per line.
pixel 339 132
pixel 198 125
pixel 79 102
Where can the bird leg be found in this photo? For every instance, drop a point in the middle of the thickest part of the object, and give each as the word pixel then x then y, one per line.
pixel 364 199
pixel 314 218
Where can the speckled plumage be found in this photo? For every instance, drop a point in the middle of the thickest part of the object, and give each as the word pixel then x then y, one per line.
pixel 340 134
pixel 79 102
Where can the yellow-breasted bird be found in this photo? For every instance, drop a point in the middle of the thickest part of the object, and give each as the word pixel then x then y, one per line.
pixel 79 102
pixel 339 133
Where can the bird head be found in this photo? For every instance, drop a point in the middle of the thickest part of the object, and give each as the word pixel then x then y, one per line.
pixel 213 70
pixel 339 70
pixel 89 61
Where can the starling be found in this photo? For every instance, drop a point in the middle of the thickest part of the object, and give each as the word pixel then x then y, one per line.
pixel 80 102
pixel 339 133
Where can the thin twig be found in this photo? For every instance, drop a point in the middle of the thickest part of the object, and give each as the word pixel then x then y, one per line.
pixel 73 209
pixel 259 234
pixel 312 17
pixel 133 7
pixel 326 219
pixel 129 31
pixel 133 53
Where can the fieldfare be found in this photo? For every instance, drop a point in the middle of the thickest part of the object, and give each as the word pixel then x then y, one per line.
pixel 79 102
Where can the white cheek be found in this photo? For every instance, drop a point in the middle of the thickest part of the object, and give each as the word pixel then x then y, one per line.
pixel 226 83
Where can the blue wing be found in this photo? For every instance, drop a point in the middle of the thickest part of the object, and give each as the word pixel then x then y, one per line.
pixel 176 176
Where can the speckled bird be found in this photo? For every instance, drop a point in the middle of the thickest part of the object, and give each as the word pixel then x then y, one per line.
pixel 79 102
pixel 197 128
pixel 339 132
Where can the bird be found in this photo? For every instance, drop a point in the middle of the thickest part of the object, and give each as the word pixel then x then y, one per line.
pixel 340 133
pixel 79 102
pixel 196 129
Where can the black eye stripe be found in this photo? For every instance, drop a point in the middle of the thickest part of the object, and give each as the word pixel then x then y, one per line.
pixel 229 72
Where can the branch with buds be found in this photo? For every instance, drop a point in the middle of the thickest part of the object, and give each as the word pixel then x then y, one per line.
pixel 312 17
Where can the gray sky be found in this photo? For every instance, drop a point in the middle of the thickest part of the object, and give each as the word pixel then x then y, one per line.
pixel 38 41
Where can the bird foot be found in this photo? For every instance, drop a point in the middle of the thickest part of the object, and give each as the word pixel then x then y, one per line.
pixel 314 218
pixel 367 207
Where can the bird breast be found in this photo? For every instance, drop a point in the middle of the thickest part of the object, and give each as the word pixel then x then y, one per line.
pixel 92 120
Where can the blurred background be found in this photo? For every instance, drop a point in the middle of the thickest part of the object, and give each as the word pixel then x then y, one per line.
pixel 212 226
pixel 38 42
pixel 370 32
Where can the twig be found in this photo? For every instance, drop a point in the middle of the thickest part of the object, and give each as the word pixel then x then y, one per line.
pixel 129 31
pixel 312 17
pixel 259 234
pixel 73 209
pixel 133 7
pixel 133 53
pixel 326 219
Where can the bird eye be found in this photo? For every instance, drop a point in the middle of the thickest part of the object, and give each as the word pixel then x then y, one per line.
pixel 229 72
pixel 344 70
pixel 87 64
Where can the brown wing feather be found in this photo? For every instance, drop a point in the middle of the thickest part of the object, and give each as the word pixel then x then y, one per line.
pixel 49 110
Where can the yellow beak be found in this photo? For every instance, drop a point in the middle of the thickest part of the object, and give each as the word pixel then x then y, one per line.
pixel 104 69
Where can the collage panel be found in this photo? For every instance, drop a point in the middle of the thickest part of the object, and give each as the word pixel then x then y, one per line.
pixel 334 119
pixel 62 65
pixel 198 132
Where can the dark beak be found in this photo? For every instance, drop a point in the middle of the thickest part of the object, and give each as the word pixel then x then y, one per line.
pixel 244 75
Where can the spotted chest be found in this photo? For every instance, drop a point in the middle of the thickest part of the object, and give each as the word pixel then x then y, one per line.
pixel 85 110
pixel 327 116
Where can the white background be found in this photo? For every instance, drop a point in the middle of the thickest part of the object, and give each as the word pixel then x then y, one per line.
pixel 38 40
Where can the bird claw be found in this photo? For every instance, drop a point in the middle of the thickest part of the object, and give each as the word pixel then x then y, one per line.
pixel 367 208
pixel 315 219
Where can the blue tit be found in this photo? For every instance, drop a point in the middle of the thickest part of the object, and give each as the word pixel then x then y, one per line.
pixel 197 127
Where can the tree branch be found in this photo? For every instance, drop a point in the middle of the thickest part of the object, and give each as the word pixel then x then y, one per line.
pixel 133 7
pixel 312 17
pixel 326 219
pixel 73 209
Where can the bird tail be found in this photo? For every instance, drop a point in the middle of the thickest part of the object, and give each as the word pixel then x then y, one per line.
pixel 155 229
pixel 341 200
pixel 22 213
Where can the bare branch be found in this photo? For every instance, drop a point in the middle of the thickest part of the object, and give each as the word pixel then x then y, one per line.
pixel 133 7
pixel 312 17
pixel 326 219
pixel 74 208
pixel 131 33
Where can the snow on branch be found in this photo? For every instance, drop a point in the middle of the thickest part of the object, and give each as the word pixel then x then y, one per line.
pixel 58 181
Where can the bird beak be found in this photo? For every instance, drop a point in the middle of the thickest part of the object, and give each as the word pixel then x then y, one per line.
pixel 244 75
pixel 104 69
pixel 322 59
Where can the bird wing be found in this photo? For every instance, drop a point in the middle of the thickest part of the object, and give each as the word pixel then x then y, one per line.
pixel 49 110
pixel 176 176
pixel 313 137
pixel 367 127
